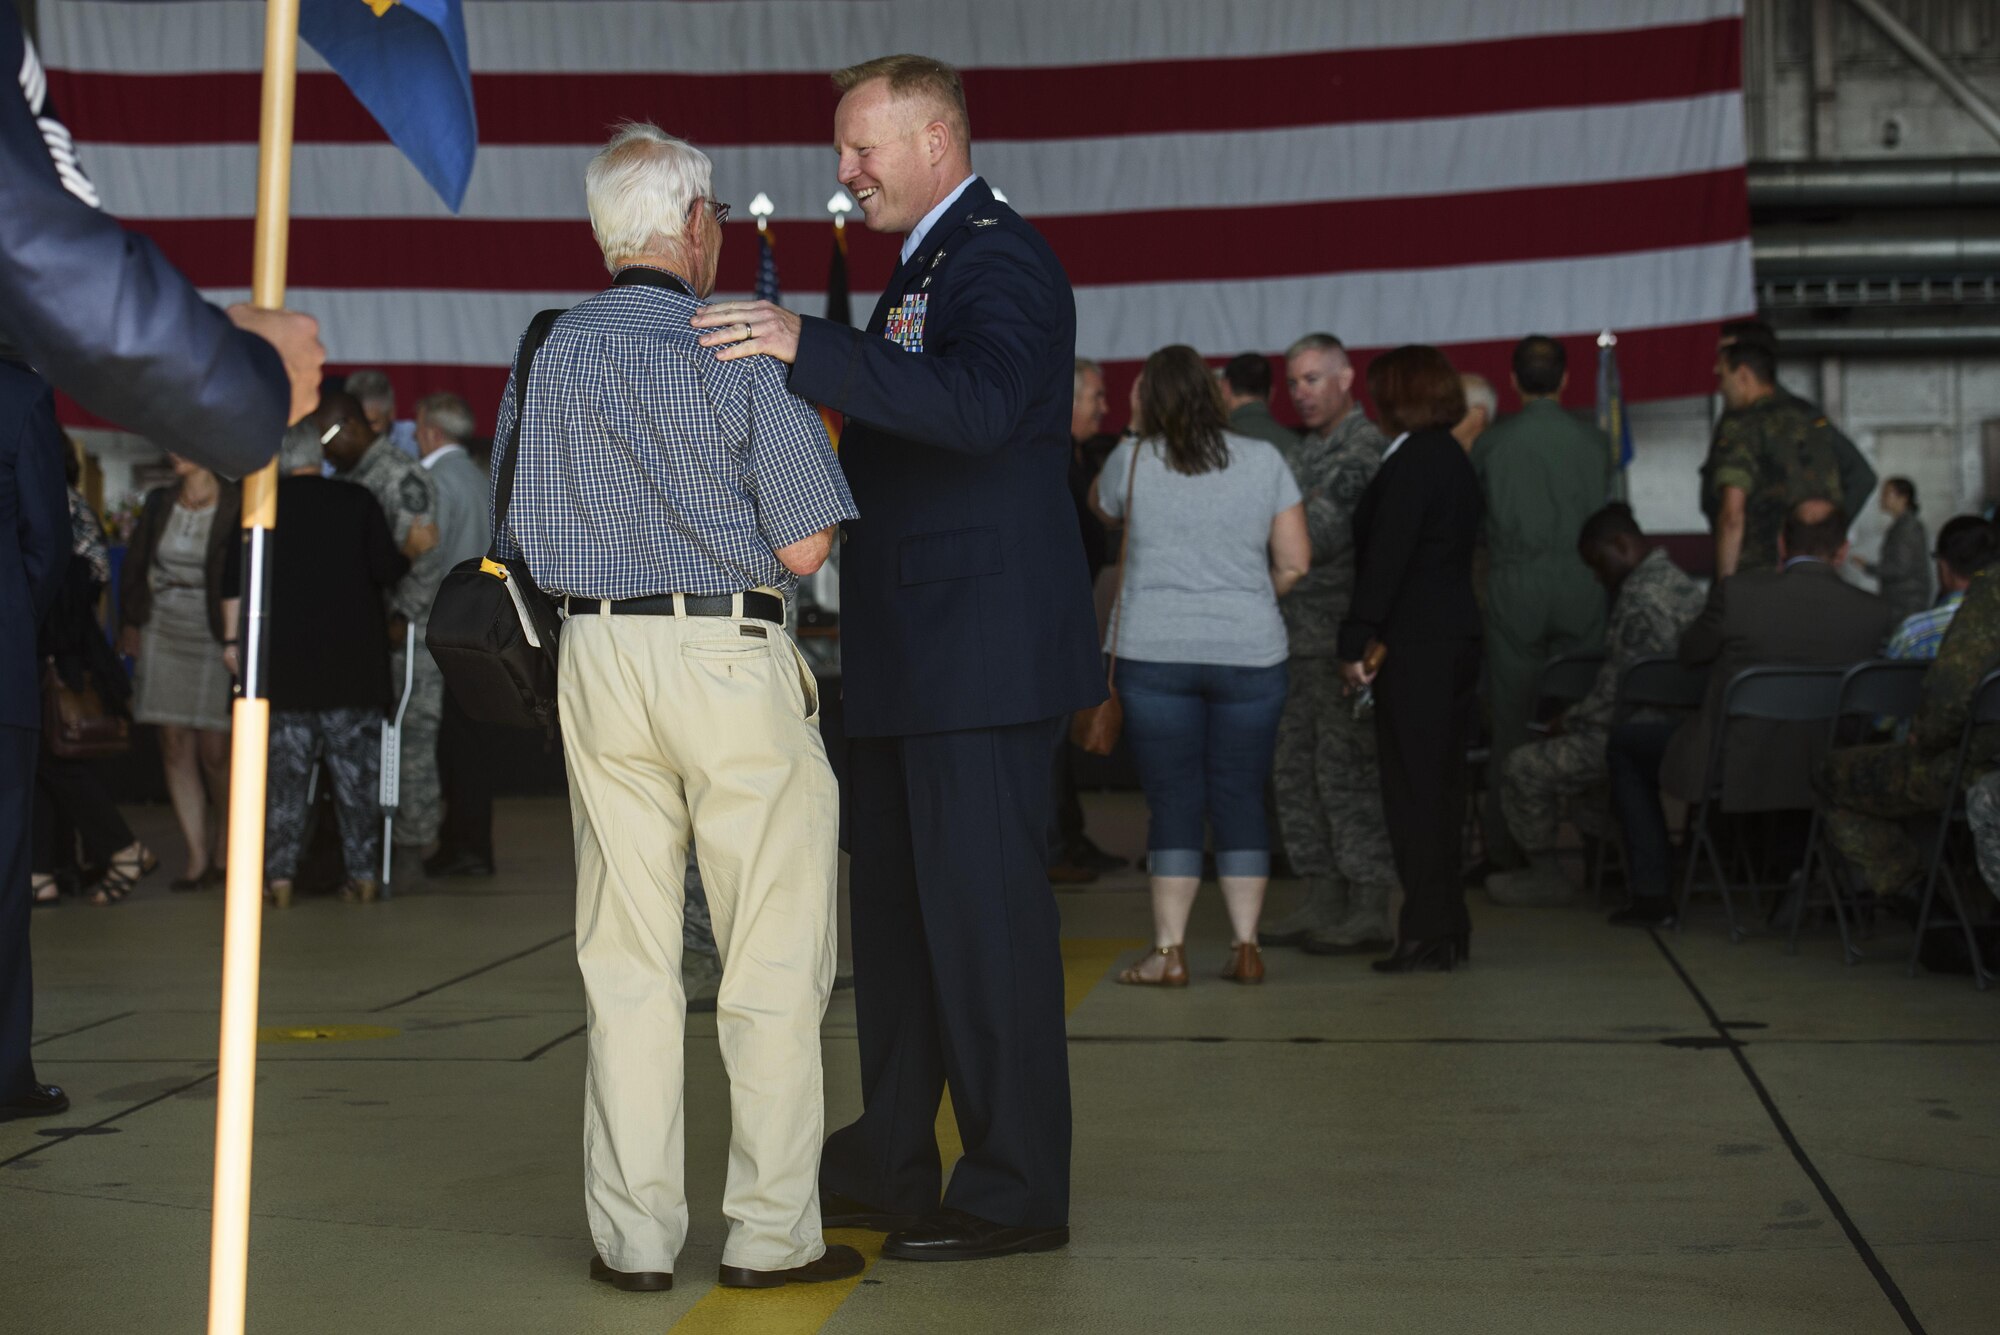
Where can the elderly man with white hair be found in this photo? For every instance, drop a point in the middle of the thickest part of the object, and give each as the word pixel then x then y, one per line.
pixel 1482 405
pixel 667 501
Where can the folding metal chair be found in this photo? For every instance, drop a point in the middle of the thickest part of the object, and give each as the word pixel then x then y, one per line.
pixel 1882 688
pixel 1767 694
pixel 1654 682
pixel 392 757
pixel 1565 679
pixel 1985 712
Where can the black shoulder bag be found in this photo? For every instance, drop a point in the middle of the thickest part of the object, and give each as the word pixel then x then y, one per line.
pixel 492 631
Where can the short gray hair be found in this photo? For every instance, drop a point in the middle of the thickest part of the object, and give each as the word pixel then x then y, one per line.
pixel 1084 366
pixel 639 188
pixel 448 413
pixel 372 388
pixel 1318 343
pixel 1479 394
pixel 300 448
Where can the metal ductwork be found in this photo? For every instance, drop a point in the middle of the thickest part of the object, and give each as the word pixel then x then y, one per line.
pixel 1959 243
pixel 1890 339
pixel 1893 183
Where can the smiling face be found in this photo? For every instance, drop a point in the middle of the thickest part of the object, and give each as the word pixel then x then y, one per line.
pixel 895 153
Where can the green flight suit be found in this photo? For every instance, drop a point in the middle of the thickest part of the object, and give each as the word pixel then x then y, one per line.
pixel 1255 420
pixel 1543 472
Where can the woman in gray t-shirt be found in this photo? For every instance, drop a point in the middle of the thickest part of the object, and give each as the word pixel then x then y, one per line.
pixel 1216 534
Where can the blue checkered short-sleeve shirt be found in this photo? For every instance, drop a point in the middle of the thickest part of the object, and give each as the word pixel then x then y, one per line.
pixel 649 467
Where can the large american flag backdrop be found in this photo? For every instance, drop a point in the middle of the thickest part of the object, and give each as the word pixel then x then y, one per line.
pixel 1226 175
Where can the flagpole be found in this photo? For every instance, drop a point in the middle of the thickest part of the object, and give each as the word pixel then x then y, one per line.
pixel 236 1080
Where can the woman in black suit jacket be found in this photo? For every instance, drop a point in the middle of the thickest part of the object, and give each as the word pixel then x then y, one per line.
pixel 1413 540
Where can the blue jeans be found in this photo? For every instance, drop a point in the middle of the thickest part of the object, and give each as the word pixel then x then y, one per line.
pixel 1204 736
pixel 1634 753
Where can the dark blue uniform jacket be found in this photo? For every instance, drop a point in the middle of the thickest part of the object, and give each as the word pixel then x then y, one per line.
pixel 34 535
pixel 964 597
pixel 99 311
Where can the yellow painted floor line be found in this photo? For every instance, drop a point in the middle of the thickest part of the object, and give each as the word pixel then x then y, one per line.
pixel 802 1309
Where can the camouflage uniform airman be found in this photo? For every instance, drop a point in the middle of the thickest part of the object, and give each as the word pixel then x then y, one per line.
pixel 403 489
pixel 1857 475
pixel 1778 451
pixel 1870 791
pixel 1655 604
pixel 1329 793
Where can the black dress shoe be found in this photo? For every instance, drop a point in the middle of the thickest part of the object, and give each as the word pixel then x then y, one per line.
pixel 954 1235
pixel 1084 853
pixel 39 1101
pixel 453 863
pixel 838 1263
pixel 1646 911
pixel 631 1281
pixel 1440 955
pixel 838 1211
pixel 1311 946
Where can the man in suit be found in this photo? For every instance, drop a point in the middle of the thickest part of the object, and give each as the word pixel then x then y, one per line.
pixel 968 639
pixel 102 314
pixel 1803 613
pixel 459 774
pixel 34 549
pixel 1543 473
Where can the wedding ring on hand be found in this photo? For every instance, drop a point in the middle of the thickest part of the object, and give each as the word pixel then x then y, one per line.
pixel 746 333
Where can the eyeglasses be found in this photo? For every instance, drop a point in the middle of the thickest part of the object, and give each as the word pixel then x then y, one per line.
pixel 720 210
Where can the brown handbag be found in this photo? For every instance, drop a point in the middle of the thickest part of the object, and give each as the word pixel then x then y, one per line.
pixel 1096 729
pixel 75 723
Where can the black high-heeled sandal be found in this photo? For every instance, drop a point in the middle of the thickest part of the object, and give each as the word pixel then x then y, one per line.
pixel 123 874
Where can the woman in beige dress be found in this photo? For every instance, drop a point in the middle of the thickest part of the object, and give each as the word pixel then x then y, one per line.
pixel 171 606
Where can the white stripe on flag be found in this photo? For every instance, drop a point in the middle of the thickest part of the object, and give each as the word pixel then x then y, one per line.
pixel 1054 178
pixel 739 36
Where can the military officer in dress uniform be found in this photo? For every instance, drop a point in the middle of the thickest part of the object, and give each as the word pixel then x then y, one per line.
pixel 98 312
pixel 968 639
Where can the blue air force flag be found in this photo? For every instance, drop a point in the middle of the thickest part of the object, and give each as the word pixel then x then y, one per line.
pixel 405 60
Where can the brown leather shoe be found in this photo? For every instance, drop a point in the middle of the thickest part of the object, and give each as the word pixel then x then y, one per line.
pixel 631 1281
pixel 838 1263
pixel 1246 964
pixel 1175 974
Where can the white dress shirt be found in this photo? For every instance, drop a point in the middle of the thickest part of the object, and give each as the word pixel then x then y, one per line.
pixel 917 233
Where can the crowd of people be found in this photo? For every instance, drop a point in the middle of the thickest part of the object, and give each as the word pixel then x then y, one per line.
pixel 375 512
pixel 1237 689
pixel 1318 613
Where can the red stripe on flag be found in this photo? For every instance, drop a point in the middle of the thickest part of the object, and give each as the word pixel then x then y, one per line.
pixel 1151 97
pixel 1560 222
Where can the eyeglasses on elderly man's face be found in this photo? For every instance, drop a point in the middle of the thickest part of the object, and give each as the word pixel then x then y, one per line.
pixel 717 210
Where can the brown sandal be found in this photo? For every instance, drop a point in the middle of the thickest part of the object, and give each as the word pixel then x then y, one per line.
pixel 1175 974
pixel 1246 963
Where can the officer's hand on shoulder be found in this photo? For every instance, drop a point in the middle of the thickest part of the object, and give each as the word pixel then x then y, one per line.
pixel 749 329
pixel 296 337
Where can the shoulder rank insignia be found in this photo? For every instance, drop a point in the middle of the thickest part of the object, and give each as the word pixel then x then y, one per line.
pixel 937 259
pixel 984 222
pixel 414 495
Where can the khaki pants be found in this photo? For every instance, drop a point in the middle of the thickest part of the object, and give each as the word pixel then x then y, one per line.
pixel 704 728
